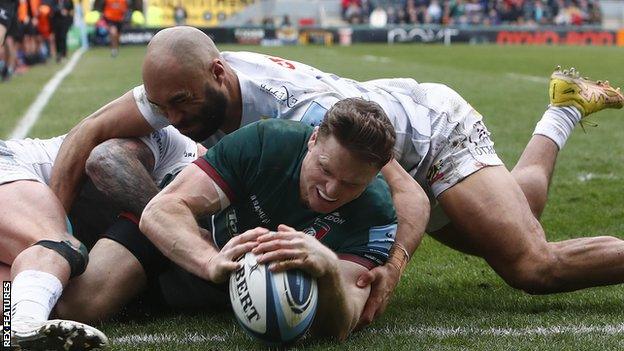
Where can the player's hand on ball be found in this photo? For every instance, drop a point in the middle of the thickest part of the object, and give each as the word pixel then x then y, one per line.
pixel 383 281
pixel 288 249
pixel 220 266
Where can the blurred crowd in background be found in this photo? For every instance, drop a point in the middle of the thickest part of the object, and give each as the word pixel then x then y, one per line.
pixel 473 12
pixel 41 26
pixel 38 33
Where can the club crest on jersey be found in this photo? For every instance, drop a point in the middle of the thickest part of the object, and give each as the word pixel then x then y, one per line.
pixel 318 229
pixel 281 94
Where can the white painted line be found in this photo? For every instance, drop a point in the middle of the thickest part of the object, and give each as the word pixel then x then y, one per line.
pixel 472 331
pixel 34 111
pixel 163 338
pixel 528 78
pixel 585 177
pixel 372 58
pixel 437 332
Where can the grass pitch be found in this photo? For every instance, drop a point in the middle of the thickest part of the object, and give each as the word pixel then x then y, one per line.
pixel 446 300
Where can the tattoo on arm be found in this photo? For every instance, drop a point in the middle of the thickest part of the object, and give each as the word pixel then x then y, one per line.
pixel 120 168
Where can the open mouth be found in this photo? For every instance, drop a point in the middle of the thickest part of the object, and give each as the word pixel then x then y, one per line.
pixel 325 196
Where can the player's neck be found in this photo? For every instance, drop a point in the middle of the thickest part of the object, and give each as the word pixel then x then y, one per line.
pixel 235 106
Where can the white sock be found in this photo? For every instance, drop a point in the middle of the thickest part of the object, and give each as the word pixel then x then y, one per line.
pixel 34 294
pixel 557 124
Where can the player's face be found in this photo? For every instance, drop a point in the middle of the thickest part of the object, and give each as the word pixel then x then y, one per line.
pixel 196 109
pixel 331 176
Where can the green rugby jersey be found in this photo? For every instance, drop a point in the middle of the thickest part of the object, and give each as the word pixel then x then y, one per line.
pixel 258 168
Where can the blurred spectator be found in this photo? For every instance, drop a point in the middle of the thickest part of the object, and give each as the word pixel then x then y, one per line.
pixel 179 14
pixel 478 12
pixel 378 18
pixel 434 12
pixel 114 13
pixel 62 19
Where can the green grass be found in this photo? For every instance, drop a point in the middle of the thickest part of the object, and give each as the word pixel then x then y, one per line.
pixel 446 300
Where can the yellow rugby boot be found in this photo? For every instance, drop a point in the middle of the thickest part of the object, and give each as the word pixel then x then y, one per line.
pixel 568 88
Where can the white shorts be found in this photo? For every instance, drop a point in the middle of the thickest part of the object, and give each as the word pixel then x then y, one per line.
pixel 469 148
pixel 27 159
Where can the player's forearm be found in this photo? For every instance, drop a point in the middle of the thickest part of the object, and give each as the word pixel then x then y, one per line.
pixel 120 169
pixel 68 170
pixel 119 119
pixel 411 205
pixel 337 313
pixel 171 226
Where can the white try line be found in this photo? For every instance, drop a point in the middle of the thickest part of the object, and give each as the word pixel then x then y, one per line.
pixel 436 332
pixel 528 78
pixel 31 116
pixel 586 177
pixel 513 332
pixel 166 338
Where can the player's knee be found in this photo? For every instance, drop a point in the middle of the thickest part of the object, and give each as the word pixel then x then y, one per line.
pixel 535 275
pixel 101 158
pixel 76 255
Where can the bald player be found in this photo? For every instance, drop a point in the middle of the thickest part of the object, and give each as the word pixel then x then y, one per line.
pixel 479 206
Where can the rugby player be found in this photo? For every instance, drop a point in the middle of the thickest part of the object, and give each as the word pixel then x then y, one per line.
pixel 479 206
pixel 7 14
pixel 333 217
pixel 42 255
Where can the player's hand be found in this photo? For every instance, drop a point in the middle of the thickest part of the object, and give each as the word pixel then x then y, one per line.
pixel 288 249
pixel 219 266
pixel 384 280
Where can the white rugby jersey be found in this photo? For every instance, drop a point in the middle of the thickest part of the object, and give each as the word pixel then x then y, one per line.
pixel 271 87
pixel 172 151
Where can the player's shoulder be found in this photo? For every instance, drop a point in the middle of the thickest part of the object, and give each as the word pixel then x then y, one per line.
pixel 274 129
pixel 375 204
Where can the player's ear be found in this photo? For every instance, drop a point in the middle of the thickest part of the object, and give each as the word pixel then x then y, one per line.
pixel 217 71
pixel 313 137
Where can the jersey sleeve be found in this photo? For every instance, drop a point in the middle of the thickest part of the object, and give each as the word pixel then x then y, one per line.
pixel 150 112
pixel 233 162
pixel 374 250
pixel 172 152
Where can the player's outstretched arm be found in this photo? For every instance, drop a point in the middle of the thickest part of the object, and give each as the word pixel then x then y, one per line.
pixel 340 300
pixel 120 118
pixel 412 208
pixel 169 221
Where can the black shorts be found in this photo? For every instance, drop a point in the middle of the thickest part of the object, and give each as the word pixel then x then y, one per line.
pixel 93 217
pixel 116 24
pixel 8 18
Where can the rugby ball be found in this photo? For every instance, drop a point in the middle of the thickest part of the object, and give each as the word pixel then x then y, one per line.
pixel 277 308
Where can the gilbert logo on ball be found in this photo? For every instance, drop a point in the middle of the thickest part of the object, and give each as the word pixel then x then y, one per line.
pixel 276 308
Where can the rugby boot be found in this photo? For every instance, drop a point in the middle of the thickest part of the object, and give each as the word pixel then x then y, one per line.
pixel 55 334
pixel 568 88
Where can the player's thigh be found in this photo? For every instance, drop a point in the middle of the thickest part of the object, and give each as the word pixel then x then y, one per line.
pixel 490 211
pixel 113 277
pixel 29 212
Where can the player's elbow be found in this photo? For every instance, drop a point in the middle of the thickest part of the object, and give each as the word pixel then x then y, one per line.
pixel 155 210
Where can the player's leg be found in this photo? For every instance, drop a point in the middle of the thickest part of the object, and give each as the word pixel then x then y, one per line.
pixel 113 277
pixel 43 255
pixel 3 31
pixel 572 98
pixel 114 36
pixel 489 210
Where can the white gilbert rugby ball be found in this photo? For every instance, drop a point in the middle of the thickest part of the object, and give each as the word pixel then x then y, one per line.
pixel 277 308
